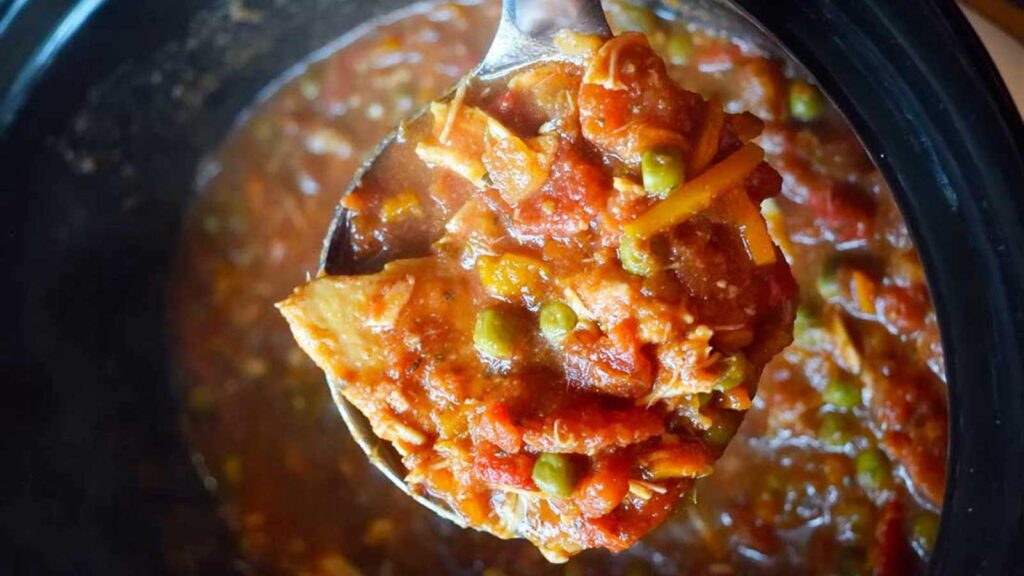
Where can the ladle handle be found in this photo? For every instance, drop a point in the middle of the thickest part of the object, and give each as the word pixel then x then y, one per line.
pixel 528 27
pixel 542 19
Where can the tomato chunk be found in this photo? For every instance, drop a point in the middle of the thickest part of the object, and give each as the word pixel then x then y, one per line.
pixel 496 469
pixel 495 426
pixel 614 364
pixel 588 427
pixel 603 489
pixel 628 103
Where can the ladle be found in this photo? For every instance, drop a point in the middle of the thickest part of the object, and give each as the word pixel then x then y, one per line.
pixel 525 36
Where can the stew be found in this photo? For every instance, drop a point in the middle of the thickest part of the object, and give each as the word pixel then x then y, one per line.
pixel 601 293
pixel 839 465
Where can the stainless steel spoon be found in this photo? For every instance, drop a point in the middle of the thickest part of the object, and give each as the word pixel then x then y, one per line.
pixel 525 36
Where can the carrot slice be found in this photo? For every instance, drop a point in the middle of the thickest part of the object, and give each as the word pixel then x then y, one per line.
pixel 698 194
pixel 865 290
pixel 707 144
pixel 737 399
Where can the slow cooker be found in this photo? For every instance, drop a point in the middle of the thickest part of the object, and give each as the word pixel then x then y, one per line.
pixel 98 479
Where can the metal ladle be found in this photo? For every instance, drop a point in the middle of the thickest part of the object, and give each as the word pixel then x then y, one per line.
pixel 525 36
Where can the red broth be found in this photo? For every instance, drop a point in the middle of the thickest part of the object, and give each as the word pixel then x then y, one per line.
pixel 838 468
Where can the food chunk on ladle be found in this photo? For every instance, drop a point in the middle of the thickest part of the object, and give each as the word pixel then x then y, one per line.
pixel 558 362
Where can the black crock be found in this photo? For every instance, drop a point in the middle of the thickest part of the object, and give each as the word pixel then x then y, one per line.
pixel 96 477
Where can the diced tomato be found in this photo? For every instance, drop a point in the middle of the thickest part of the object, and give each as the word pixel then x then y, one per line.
pixel 892 555
pixel 912 413
pixel 846 213
pixel 743 127
pixel 569 201
pixel 763 89
pixel 601 491
pixel 354 202
pixel 614 108
pixel 763 183
pixel 475 506
pixel 506 104
pixel 614 364
pixel 717 56
pixel 494 425
pixel 628 103
pixel 629 522
pixel 782 287
pixel 496 469
pixel 902 309
pixel 627 349
pixel 587 427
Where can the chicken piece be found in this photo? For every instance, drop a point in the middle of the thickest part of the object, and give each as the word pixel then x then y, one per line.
pixel 381 340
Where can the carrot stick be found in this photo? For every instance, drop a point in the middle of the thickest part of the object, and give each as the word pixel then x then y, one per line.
pixel 864 290
pixel 737 399
pixel 696 195
pixel 736 208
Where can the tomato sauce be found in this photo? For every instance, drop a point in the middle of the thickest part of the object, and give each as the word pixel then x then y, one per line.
pixel 839 467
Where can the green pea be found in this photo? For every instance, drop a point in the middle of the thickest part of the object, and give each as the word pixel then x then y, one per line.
pixel 828 281
pixel 554 474
pixel 495 333
pixel 636 256
pixel 874 472
pixel 834 430
pixel 723 429
pixel 309 87
pixel 718 435
pixel 557 321
pixel 734 374
pixel 924 530
pixel 806 327
pixel 679 48
pixel 842 392
pixel 662 170
pixel 805 101
pixel 805 320
pixel 635 19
